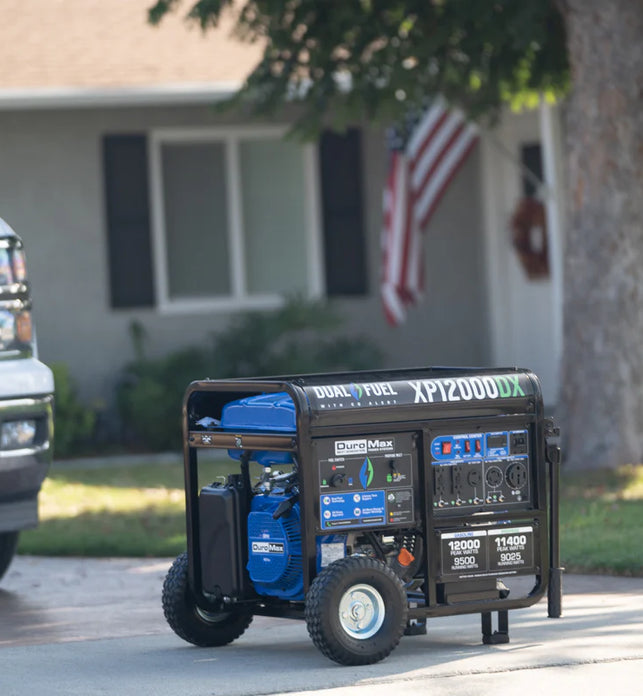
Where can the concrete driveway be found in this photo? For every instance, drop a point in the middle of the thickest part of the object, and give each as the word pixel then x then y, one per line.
pixel 85 626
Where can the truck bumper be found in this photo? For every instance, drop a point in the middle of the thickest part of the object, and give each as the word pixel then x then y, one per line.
pixel 22 470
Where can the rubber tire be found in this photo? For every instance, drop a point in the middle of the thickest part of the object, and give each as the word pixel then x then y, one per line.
pixel 187 622
pixel 322 610
pixel 8 545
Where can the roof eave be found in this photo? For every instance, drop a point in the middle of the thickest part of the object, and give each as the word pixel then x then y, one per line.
pixel 92 97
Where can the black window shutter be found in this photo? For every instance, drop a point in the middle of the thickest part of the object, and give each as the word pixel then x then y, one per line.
pixel 531 157
pixel 343 219
pixel 127 206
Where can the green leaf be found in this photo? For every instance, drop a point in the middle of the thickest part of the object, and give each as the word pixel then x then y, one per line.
pixel 345 60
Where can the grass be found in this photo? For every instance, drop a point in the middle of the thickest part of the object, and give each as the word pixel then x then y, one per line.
pixel 139 511
pixel 601 518
pixel 110 511
pixel 136 510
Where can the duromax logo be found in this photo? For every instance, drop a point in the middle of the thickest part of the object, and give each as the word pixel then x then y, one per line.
pixel 366 473
pixel 348 447
pixel 356 391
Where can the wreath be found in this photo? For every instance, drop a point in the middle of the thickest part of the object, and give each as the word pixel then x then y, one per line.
pixel 529 237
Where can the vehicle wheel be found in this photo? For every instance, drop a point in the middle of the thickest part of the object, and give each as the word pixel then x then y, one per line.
pixel 356 610
pixel 190 622
pixel 8 544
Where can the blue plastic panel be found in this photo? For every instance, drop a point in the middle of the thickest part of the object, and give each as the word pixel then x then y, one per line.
pixel 274 549
pixel 267 413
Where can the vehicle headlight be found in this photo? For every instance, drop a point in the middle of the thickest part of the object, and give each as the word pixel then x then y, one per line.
pixel 17 434
pixel 16 331
pixel 7 329
pixel 24 332
pixel 19 265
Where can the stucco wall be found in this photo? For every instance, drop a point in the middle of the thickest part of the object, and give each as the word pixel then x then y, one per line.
pixel 51 192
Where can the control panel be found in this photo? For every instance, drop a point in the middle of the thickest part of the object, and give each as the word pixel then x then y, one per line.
pixel 481 471
pixel 366 481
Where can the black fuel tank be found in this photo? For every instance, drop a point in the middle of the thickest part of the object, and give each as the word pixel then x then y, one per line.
pixel 221 526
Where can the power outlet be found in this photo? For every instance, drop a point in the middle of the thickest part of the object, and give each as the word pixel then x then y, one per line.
pixel 439 481
pixel 517 475
pixel 456 480
pixel 474 478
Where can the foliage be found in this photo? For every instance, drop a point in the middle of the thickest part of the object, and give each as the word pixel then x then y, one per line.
pixel 300 337
pixel 139 511
pixel 150 394
pixel 393 53
pixel 74 422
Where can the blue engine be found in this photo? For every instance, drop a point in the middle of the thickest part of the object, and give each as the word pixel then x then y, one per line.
pixel 274 548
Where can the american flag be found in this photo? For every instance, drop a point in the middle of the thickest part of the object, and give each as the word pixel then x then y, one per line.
pixel 421 169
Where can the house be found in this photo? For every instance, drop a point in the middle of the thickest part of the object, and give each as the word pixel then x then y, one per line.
pixel 137 200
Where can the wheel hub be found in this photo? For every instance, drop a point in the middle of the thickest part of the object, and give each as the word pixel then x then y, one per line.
pixel 361 611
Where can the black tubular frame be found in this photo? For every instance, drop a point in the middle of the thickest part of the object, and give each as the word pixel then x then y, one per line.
pixel 422 419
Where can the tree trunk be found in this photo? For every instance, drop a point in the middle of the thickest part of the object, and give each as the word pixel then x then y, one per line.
pixel 601 405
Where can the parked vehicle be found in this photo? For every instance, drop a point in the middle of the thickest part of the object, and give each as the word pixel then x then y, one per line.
pixel 26 401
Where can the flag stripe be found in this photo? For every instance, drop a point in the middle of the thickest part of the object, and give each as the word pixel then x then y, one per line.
pixel 432 149
pixel 388 247
pixel 408 232
pixel 398 221
pixel 414 276
pixel 436 113
pixel 445 171
pixel 393 307
pixel 441 150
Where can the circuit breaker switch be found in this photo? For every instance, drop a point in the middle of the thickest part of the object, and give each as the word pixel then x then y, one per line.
pixel 405 557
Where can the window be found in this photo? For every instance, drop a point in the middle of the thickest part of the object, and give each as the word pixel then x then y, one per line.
pixel 234 218
pixel 228 218
pixel 532 161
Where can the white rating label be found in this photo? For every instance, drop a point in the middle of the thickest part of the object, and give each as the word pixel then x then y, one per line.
pixel 463 552
pixel 511 548
pixel 506 550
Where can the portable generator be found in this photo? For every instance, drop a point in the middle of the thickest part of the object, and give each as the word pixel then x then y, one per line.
pixel 366 503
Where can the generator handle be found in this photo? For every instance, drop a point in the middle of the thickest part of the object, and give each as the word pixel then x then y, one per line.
pixel 555 587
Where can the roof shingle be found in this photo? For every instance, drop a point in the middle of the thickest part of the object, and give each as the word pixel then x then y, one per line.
pixel 76 44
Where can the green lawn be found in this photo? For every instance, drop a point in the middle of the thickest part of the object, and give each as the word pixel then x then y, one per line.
pixel 110 511
pixel 601 521
pixel 139 511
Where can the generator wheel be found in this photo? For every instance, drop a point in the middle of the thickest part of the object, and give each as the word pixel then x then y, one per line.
pixel 190 622
pixel 356 610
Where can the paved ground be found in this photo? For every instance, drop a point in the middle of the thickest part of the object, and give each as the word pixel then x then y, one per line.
pixel 52 600
pixel 80 626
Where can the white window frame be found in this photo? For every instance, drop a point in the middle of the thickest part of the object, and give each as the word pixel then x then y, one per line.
pixel 239 298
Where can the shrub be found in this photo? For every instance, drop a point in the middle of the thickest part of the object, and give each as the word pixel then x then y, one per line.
pixel 300 337
pixel 74 422
pixel 150 393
